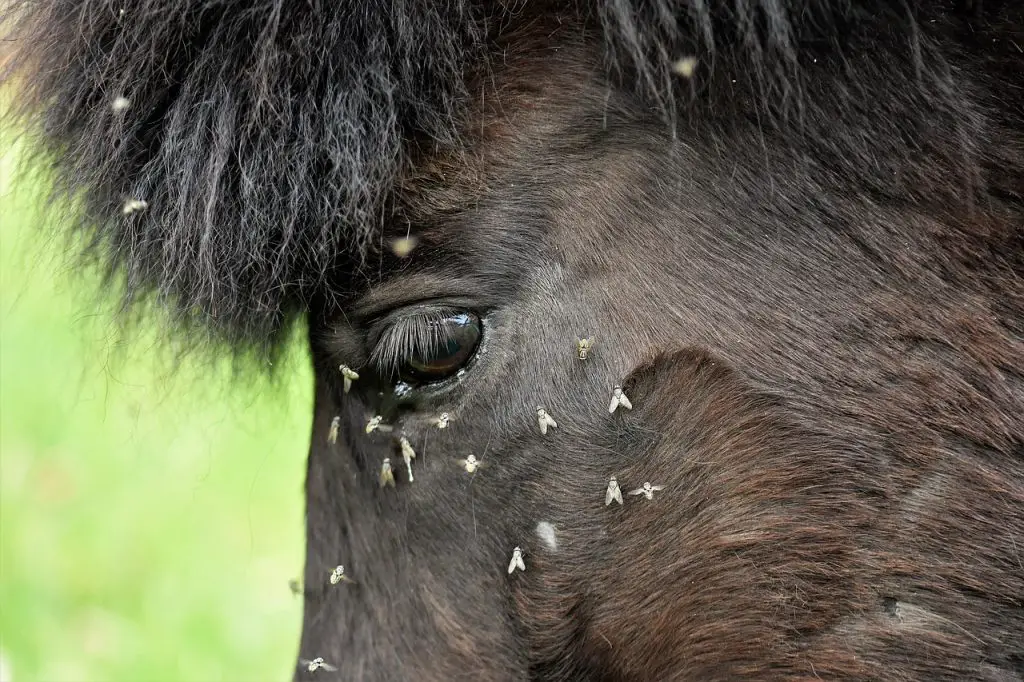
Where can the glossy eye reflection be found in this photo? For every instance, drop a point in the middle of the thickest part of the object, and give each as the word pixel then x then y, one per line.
pixel 429 346
pixel 457 338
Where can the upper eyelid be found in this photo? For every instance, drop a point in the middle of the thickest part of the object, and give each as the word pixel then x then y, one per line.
pixel 385 349
pixel 379 328
pixel 421 288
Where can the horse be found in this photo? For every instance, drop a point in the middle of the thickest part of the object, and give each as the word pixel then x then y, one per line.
pixel 653 339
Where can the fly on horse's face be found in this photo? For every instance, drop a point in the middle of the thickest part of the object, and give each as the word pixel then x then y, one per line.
pixel 775 295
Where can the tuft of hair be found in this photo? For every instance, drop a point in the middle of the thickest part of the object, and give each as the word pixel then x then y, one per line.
pixel 229 157
pixel 236 160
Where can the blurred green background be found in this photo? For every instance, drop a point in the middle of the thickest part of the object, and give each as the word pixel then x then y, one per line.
pixel 150 519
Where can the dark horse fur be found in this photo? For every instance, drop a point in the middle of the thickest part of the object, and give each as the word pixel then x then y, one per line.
pixel 804 262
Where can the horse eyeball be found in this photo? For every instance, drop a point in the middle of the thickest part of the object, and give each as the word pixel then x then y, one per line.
pixel 458 336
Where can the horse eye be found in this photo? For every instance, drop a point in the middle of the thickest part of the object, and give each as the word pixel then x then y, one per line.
pixel 458 336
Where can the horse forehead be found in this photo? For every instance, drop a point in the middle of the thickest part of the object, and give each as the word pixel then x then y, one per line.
pixel 553 147
pixel 565 188
pixel 577 207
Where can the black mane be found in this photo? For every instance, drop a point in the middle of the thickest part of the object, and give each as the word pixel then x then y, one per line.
pixel 266 137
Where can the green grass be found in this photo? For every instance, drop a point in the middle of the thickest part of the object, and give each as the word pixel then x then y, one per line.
pixel 149 523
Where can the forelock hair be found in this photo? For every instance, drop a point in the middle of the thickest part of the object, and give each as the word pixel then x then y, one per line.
pixel 266 136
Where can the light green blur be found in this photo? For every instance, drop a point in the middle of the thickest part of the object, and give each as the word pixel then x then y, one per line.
pixel 149 521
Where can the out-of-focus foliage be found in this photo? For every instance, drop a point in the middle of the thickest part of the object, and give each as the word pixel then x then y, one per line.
pixel 151 520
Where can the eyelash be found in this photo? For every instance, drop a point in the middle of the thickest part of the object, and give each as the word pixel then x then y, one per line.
pixel 407 336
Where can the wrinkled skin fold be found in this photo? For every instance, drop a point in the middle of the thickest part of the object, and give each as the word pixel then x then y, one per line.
pixel 803 263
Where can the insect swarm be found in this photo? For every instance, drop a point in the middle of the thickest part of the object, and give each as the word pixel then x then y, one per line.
pixel 647 490
pixel 348 376
pixel 387 475
pixel 613 493
pixel 332 432
pixel 583 347
pixel 316 664
pixel 338 575
pixel 131 206
pixel 404 246
pixel 470 464
pixel 374 424
pixel 408 454
pixel 544 420
pixel 685 66
pixel 619 399
pixel 517 561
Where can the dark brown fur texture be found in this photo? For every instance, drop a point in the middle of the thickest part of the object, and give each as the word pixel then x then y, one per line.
pixel 804 264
